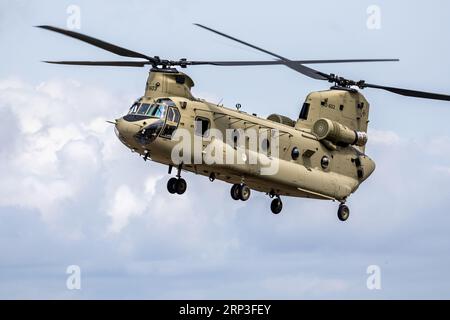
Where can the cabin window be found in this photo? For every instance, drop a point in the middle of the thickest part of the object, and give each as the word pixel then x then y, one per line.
pixel 201 126
pixel 235 137
pixel 265 144
pixel 304 112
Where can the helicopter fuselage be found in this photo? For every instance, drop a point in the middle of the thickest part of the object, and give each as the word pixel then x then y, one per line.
pixel 305 166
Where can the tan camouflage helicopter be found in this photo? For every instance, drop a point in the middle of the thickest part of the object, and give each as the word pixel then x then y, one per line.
pixel 320 155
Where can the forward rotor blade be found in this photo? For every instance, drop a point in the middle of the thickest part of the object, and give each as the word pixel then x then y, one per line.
pixel 102 63
pixel 240 41
pixel 293 65
pixel 98 43
pixel 409 93
pixel 280 62
pixel 196 63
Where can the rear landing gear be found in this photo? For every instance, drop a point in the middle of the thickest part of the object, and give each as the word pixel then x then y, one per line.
pixel 176 185
pixel 240 192
pixel 343 212
pixel 235 192
pixel 276 206
pixel 244 192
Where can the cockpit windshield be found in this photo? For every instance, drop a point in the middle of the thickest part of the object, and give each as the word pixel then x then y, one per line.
pixel 143 109
pixel 156 110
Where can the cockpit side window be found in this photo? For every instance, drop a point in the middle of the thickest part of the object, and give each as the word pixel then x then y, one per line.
pixel 173 115
pixel 134 108
pixel 172 120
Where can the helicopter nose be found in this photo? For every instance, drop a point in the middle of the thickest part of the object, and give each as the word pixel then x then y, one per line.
pixel 124 130
pixel 137 133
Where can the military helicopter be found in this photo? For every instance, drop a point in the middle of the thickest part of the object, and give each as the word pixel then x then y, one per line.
pixel 320 155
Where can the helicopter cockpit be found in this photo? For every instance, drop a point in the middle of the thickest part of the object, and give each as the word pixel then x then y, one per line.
pixel 162 125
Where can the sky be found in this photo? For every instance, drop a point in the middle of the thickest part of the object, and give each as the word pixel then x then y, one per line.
pixel 72 194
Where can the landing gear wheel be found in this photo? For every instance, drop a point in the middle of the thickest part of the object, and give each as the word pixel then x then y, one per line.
pixel 276 206
pixel 171 185
pixel 343 212
pixel 235 191
pixel 244 192
pixel 180 186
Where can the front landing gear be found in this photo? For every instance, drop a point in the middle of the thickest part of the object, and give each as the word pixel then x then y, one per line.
pixel 343 212
pixel 276 206
pixel 176 185
pixel 240 192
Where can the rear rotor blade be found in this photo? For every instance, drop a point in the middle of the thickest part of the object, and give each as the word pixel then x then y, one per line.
pixel 409 93
pixel 98 43
pixel 344 61
pixel 102 63
pixel 293 65
pixel 280 62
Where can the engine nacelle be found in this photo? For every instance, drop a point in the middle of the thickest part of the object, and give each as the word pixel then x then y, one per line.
pixel 326 129
pixel 281 119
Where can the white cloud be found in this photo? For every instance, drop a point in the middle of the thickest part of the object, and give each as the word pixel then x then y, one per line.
pixel 54 148
pixel 125 205
pixel 150 185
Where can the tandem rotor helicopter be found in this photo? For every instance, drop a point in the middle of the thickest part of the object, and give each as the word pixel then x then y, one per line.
pixel 321 154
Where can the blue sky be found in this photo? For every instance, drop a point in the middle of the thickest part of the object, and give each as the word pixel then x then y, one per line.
pixel 71 194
